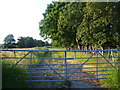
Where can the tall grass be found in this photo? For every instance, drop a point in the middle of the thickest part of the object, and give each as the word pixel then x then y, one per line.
pixel 13 77
pixel 113 81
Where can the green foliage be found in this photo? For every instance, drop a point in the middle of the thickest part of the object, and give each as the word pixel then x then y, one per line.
pixel 49 25
pixel 28 42
pixel 13 77
pixel 9 41
pixel 73 24
pixel 98 27
pixel 23 42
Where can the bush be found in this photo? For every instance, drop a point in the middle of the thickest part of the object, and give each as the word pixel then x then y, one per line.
pixel 13 77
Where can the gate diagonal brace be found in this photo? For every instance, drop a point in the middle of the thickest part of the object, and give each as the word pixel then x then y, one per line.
pixel 83 64
pixel 47 64
pixel 22 58
pixel 108 61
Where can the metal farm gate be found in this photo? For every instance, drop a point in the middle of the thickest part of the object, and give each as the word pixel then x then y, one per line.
pixel 61 65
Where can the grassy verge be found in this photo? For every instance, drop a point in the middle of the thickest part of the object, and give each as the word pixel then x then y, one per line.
pixel 13 77
pixel 113 81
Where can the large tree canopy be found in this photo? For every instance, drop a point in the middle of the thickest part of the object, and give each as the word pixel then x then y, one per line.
pixel 100 25
pixel 74 24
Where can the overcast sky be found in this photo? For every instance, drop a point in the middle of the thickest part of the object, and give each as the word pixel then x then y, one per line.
pixel 21 17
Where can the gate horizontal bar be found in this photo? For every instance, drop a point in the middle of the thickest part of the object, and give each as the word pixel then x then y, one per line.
pixel 69 68
pixel 67 72
pixel 57 58
pixel 71 76
pixel 63 80
pixel 37 58
pixel 43 76
pixel 61 50
pixel 96 57
pixel 89 71
pixel 40 72
pixel 88 79
pixel 44 80
pixel 68 64
pixel 90 75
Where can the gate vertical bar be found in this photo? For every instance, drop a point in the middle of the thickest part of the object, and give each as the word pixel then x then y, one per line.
pixel 65 65
pixel 53 56
pixel 74 55
pixel 15 56
pixel 97 65
pixel 30 65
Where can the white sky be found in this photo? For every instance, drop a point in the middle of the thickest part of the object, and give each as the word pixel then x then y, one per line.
pixel 21 17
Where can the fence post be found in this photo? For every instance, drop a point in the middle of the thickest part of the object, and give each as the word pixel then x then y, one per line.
pixel 65 65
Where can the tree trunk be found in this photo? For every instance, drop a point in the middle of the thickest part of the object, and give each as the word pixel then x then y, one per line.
pixel 79 47
pixel 102 49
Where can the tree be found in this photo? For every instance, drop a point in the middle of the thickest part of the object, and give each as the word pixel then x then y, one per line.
pixel 49 25
pixel 82 24
pixel 99 26
pixel 29 42
pixel 21 42
pixel 70 17
pixel 9 41
pixel 39 43
pixel 25 42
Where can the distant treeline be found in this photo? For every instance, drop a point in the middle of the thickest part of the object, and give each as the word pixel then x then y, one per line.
pixel 23 42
